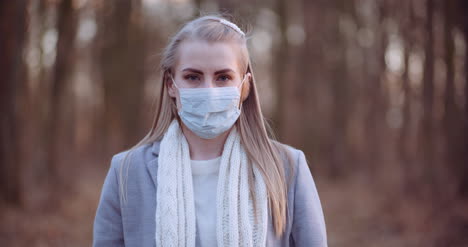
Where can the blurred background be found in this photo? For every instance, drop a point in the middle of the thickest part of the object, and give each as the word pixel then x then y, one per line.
pixel 375 93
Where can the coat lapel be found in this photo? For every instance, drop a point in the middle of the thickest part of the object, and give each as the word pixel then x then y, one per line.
pixel 152 165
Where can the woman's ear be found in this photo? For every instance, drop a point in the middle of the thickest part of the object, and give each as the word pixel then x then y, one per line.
pixel 170 85
pixel 246 87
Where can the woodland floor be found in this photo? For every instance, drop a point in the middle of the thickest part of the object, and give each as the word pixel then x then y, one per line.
pixel 355 213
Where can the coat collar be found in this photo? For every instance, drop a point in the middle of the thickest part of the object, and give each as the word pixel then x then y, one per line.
pixel 152 164
pixel 155 147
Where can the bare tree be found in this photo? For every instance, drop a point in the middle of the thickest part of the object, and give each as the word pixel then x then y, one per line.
pixel 405 157
pixel 281 59
pixel 426 130
pixel 66 25
pixel 340 84
pixel 12 71
pixel 463 168
pixel 121 55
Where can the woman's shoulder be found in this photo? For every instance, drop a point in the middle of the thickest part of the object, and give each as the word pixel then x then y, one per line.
pixel 288 152
pixel 293 158
pixel 138 155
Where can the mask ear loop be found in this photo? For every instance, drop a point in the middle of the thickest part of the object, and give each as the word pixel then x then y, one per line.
pixel 241 87
pixel 173 81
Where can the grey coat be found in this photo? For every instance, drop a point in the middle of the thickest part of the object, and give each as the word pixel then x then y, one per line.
pixel 133 223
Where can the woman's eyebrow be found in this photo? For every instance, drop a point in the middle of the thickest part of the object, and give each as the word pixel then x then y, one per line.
pixel 223 71
pixel 193 70
pixel 201 72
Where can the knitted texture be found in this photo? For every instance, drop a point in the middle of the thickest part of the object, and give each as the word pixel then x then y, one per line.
pixel 175 207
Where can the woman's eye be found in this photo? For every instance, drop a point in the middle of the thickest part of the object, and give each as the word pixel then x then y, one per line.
pixel 224 78
pixel 192 77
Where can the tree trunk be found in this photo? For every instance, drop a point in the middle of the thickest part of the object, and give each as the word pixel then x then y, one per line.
pixel 12 28
pixel 402 143
pixel 463 167
pixel 426 132
pixel 67 22
pixel 450 119
pixel 375 60
pixel 121 56
pixel 279 65
pixel 339 83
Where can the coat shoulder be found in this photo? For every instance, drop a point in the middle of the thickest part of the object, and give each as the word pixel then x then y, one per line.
pixel 291 157
pixel 288 153
pixel 137 155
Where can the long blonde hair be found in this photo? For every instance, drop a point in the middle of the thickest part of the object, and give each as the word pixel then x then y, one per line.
pixel 256 135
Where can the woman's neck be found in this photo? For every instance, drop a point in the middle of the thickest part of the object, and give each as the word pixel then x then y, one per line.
pixel 204 149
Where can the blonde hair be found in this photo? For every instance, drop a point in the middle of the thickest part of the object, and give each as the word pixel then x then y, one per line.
pixel 256 135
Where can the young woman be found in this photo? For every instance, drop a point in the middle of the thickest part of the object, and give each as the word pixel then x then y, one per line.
pixel 207 173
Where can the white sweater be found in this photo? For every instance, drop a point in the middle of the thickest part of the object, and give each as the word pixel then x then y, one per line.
pixel 205 183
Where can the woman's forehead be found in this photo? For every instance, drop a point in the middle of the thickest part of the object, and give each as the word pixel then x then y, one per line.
pixel 208 56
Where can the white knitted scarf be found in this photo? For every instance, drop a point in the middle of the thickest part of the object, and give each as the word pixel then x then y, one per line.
pixel 175 208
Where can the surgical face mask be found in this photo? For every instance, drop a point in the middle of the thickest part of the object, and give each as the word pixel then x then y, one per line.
pixel 209 112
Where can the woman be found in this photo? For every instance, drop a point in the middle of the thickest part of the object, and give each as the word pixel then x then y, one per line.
pixel 207 174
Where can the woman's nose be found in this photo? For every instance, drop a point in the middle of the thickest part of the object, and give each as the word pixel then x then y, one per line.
pixel 208 83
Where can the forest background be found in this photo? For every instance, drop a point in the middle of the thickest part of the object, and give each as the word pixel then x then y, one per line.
pixel 374 92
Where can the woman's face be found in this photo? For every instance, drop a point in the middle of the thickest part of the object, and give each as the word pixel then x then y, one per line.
pixel 201 64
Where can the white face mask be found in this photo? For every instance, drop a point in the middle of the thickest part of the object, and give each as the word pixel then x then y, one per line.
pixel 209 112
